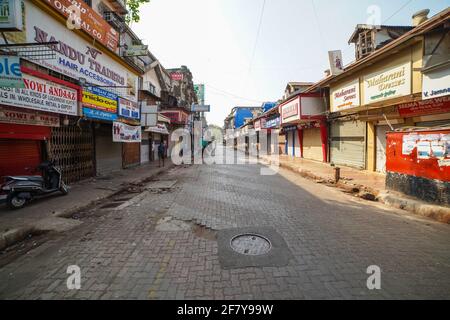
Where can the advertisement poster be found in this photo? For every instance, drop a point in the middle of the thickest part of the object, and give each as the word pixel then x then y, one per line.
pixel 129 109
pixel 43 95
pixel 423 150
pixel 97 98
pixel 336 64
pixel 10 74
pixel 125 133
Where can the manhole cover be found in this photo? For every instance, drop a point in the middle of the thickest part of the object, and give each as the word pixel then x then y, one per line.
pixel 251 244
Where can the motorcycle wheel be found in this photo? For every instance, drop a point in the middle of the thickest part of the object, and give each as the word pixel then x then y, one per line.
pixel 14 202
pixel 64 190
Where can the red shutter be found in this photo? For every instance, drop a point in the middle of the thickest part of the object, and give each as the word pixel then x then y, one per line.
pixel 16 155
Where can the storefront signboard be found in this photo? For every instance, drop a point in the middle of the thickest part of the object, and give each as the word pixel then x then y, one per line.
pixel 290 111
pixel 436 84
pixel 126 133
pixel 388 84
pixel 425 107
pixel 129 109
pixel 74 56
pixel 100 99
pixel 98 114
pixel 11 15
pixel 81 16
pixel 36 118
pixel 272 123
pixel 10 74
pixel 345 97
pixel 43 95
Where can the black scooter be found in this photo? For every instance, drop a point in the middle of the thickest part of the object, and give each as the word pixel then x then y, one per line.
pixel 20 190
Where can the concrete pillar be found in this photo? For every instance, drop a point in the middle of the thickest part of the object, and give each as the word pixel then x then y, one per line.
pixel 300 141
pixel 371 147
pixel 324 139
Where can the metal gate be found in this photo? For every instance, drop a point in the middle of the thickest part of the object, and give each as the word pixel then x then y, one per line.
pixel 348 143
pixel 72 149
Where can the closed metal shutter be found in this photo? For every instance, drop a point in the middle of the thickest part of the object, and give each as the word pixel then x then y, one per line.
pixel 348 143
pixel 312 144
pixel 381 146
pixel 131 154
pixel 145 148
pixel 18 155
pixel 108 154
pixel 436 123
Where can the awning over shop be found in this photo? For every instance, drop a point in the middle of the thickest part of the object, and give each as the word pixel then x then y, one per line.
pixel 159 128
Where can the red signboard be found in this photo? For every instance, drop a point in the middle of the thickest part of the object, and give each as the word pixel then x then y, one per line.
pixel 176 76
pixel 81 16
pixel 421 154
pixel 424 107
pixel 177 117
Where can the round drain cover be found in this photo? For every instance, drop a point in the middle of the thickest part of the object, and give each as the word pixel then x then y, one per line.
pixel 250 244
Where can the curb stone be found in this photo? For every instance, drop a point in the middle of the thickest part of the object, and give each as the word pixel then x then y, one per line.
pixel 435 212
pixel 13 236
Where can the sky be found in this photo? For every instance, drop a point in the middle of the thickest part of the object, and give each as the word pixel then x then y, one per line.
pixel 246 51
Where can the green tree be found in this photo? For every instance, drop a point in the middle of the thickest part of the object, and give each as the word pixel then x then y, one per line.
pixel 133 10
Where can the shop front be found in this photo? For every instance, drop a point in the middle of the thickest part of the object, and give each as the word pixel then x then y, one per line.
pixel 129 113
pixel 303 122
pixel 35 125
pixel 272 125
pixel 159 134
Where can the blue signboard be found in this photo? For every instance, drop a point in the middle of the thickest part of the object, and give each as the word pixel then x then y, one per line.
pixel 98 114
pixel 273 123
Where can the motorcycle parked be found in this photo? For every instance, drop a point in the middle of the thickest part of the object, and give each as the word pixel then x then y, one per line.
pixel 20 190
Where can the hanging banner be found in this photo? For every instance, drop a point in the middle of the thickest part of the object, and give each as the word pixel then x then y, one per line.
pixel 43 95
pixel 97 98
pixel 10 74
pixel 336 65
pixel 125 133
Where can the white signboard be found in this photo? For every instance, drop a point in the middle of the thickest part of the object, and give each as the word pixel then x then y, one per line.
pixel 125 133
pixel 388 84
pixel 77 58
pixel 336 64
pixel 43 95
pixel 11 15
pixel 345 97
pixel 129 109
pixel 436 84
pixel 291 111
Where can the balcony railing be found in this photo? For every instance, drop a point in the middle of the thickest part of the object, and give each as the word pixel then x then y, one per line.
pixel 116 21
pixel 149 87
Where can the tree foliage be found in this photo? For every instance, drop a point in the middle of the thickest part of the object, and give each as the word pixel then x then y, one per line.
pixel 133 10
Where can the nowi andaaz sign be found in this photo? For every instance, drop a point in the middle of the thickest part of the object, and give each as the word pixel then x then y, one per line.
pixel 388 84
pixel 126 133
pixel 43 95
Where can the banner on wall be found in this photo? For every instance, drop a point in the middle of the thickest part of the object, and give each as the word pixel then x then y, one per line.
pixel 43 95
pixel 126 133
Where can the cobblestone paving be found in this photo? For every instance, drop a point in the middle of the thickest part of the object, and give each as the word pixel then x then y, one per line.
pixel 333 240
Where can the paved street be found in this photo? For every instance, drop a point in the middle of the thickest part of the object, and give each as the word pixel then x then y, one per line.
pixel 164 245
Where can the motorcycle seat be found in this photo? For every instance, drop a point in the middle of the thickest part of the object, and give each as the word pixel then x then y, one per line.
pixel 26 178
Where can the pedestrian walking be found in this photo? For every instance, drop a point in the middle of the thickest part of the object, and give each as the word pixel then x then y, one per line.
pixel 161 153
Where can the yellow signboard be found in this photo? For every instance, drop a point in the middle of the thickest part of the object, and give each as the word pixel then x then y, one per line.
pixel 100 99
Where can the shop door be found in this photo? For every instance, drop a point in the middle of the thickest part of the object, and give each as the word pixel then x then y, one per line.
pixel 131 154
pixel 108 154
pixel 312 144
pixel 348 143
pixel 19 157
pixel 72 149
